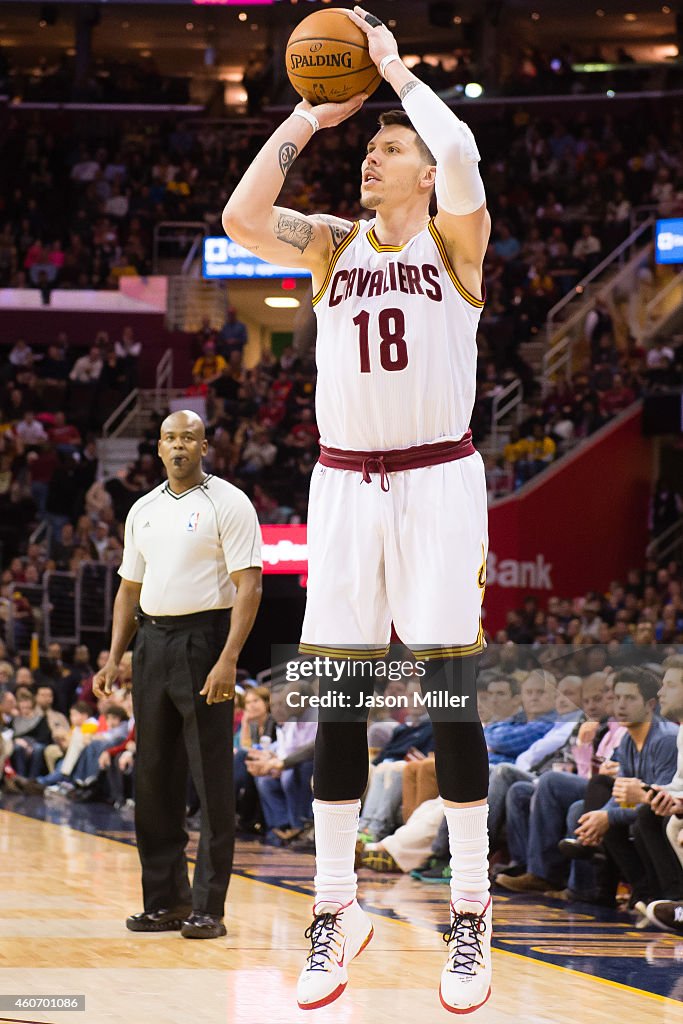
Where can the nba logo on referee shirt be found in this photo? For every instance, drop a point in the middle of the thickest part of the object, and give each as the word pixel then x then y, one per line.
pixel 192 522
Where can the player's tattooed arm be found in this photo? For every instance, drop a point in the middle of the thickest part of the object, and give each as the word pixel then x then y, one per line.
pixel 294 230
pixel 339 228
pixel 408 87
pixel 287 154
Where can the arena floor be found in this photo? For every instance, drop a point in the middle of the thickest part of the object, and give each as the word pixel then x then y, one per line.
pixel 69 876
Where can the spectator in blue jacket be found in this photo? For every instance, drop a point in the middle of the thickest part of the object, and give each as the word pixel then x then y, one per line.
pixel 506 740
pixel 538 756
pixel 647 755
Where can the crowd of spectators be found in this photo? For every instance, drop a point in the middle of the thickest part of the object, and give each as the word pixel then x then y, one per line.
pixel 84 204
pixel 261 421
pixel 542 70
pixel 547 678
pixel 586 782
pixel 561 195
pixel 536 71
pixel 611 380
pixel 58 740
pixel 107 81
pixel 579 698
pixel 580 704
pixel 262 434
pixel 53 402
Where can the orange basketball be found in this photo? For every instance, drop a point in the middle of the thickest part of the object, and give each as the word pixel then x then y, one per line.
pixel 327 58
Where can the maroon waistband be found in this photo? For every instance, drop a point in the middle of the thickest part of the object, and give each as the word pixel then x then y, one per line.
pixel 398 460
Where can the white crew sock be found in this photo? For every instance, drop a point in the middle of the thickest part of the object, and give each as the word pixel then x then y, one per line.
pixel 469 843
pixel 336 831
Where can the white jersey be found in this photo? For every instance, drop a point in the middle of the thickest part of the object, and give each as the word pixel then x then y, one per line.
pixel 396 349
pixel 183 547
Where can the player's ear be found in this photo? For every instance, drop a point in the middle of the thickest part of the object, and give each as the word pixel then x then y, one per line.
pixel 205 446
pixel 428 179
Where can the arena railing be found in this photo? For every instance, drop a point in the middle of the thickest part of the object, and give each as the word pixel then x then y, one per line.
pixel 66 607
pixel 564 323
pixel 61 608
pixel 672 295
pixel 42 533
pixel 181 235
pixel 506 402
pixel 191 300
pixel 192 264
pixel 668 545
pixel 122 414
pixel 618 255
pixel 164 376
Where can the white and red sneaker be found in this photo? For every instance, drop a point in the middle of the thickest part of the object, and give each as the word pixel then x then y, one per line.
pixel 339 932
pixel 466 978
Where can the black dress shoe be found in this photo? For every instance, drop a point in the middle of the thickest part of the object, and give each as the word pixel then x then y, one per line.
pixel 203 926
pixel 84 795
pixel 33 788
pixel 511 870
pixel 157 920
pixel 575 850
pixel 20 784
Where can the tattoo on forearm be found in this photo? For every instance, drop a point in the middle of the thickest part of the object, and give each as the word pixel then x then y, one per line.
pixel 295 231
pixel 287 155
pixel 408 87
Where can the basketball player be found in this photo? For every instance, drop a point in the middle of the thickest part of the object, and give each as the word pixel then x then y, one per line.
pixel 397 520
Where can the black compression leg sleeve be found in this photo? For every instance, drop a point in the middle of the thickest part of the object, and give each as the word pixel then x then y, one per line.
pixel 341 761
pixel 462 766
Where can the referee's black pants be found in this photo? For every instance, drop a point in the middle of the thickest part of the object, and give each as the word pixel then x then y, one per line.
pixel 175 729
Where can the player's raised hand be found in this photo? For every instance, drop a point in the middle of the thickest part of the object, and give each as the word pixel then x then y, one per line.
pixel 331 114
pixel 381 41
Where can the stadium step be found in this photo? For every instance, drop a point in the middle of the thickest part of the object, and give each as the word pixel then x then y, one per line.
pixel 115 454
pixel 532 353
pixel 191 301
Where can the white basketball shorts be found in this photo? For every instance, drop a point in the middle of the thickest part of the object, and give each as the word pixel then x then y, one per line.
pixel 415 554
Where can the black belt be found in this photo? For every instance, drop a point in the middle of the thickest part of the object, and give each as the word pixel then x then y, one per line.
pixel 196 619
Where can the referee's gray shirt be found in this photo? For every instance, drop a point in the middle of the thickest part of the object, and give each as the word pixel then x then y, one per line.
pixel 183 547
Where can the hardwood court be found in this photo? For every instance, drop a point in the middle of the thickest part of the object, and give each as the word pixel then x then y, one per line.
pixel 64 896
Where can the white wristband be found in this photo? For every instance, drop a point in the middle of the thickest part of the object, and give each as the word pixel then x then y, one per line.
pixel 386 61
pixel 308 116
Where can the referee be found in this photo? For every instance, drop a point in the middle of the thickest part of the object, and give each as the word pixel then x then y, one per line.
pixel 192 551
